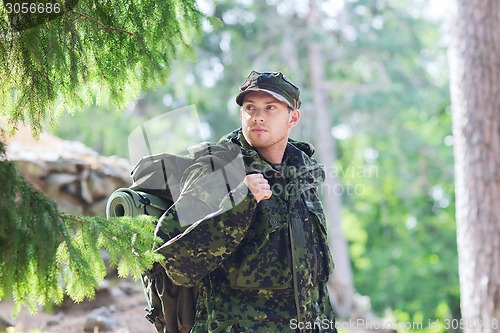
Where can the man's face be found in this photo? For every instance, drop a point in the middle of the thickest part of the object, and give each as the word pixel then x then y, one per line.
pixel 266 121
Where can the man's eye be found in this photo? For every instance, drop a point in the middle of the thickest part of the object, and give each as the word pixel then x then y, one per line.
pixel 250 108
pixel 271 107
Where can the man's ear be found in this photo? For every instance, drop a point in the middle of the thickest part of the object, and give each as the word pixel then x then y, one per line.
pixel 294 117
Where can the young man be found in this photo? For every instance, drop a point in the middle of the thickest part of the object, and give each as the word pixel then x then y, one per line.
pixel 258 252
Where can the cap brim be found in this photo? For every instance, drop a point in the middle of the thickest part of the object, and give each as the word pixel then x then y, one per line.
pixel 241 96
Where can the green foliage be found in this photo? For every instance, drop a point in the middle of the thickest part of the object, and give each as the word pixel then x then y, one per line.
pixel 400 223
pixel 42 247
pixel 91 51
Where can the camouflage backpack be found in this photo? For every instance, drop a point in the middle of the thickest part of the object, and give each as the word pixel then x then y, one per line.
pixel 156 185
pixel 170 308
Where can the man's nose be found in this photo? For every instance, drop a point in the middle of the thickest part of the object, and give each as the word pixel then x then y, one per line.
pixel 258 116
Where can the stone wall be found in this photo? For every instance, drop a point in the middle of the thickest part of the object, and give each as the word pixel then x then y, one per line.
pixel 74 175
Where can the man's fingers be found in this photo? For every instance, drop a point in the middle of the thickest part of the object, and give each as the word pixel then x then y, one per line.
pixel 267 194
pixel 259 186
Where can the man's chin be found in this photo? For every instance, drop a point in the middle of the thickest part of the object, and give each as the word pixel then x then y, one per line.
pixel 258 142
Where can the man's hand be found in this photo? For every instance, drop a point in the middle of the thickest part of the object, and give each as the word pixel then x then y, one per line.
pixel 259 186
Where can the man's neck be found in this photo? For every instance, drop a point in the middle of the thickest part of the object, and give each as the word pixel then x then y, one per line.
pixel 273 154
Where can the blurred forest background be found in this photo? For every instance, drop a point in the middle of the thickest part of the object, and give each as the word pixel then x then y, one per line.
pixel 387 97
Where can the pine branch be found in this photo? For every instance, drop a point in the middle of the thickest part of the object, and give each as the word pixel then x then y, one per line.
pixel 41 246
pixel 104 27
pixel 93 51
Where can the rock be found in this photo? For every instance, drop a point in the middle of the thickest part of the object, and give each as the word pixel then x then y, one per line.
pixel 130 288
pixel 68 203
pixel 75 176
pixel 5 323
pixel 102 185
pixel 104 288
pixel 55 181
pixel 117 292
pixel 100 320
pixel 97 208
pixel 36 169
pixel 55 320
pixel 116 167
pixel 85 193
pixel 62 165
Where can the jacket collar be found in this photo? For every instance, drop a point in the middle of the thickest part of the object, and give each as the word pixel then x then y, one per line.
pixel 298 154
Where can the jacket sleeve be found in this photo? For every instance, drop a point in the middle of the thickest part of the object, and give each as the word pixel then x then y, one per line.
pixel 213 222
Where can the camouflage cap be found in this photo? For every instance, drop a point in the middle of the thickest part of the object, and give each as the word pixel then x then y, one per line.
pixel 273 83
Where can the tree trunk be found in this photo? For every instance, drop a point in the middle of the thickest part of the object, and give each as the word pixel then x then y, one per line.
pixel 341 281
pixel 475 94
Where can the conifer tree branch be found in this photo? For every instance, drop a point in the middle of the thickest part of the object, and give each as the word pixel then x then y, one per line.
pixel 104 27
pixel 48 68
pixel 82 63
pixel 42 246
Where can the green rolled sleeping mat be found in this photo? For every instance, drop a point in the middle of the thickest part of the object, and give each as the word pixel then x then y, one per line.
pixel 127 202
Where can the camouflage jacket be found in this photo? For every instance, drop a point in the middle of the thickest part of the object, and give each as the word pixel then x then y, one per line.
pixel 259 267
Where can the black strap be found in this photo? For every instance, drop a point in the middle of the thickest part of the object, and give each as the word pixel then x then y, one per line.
pixel 145 201
pixel 152 314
